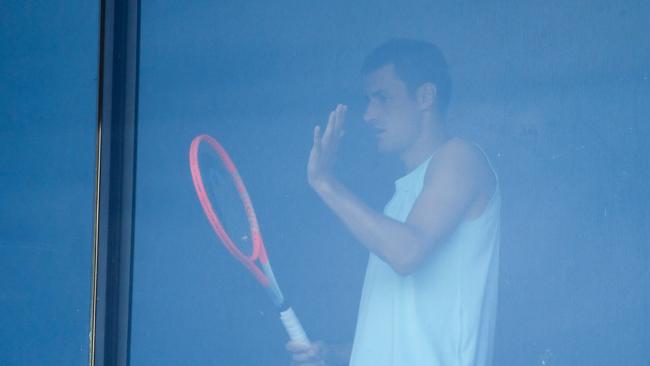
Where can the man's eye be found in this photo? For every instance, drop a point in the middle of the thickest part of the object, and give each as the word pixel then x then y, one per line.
pixel 377 98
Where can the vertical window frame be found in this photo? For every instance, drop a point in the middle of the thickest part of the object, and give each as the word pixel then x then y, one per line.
pixel 115 178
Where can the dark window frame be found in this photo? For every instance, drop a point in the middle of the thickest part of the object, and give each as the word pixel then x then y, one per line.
pixel 117 114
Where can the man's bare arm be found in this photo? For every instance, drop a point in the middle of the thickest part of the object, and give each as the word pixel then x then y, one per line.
pixel 452 184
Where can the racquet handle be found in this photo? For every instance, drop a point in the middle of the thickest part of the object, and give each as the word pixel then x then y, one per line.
pixel 293 327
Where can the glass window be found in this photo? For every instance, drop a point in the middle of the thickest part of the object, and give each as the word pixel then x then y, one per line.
pixel 48 127
pixel 556 96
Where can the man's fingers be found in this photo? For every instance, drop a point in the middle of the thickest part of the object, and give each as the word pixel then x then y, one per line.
pixel 314 363
pixel 293 346
pixel 303 357
pixel 331 121
pixel 340 121
pixel 315 149
pixel 341 111
pixel 317 136
pixel 301 352
pixel 334 129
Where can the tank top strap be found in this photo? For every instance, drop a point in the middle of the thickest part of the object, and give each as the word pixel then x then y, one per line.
pixel 487 158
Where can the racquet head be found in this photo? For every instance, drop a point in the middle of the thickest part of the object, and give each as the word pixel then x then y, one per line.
pixel 229 209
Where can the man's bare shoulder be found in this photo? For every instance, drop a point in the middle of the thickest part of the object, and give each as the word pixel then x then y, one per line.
pixel 461 165
pixel 461 157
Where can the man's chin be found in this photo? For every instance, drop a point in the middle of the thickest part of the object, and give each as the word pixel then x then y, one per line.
pixel 384 148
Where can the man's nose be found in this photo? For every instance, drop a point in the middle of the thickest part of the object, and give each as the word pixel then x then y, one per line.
pixel 369 115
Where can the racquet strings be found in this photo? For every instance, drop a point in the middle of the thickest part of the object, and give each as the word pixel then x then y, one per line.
pixel 225 199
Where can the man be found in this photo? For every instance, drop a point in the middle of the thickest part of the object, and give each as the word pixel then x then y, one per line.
pixel 429 296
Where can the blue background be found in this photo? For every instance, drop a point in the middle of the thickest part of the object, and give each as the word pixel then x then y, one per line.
pixel 48 123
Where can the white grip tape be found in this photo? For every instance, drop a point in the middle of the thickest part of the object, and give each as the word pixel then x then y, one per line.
pixel 293 327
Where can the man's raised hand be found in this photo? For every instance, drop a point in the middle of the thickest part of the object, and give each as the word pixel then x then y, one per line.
pixel 325 146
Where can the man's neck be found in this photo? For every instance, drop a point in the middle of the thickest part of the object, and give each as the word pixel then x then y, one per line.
pixel 433 136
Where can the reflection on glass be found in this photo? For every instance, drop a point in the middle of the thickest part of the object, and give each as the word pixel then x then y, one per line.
pixel 384 223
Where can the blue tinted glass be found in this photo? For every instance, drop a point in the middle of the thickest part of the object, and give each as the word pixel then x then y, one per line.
pixel 48 99
pixel 556 94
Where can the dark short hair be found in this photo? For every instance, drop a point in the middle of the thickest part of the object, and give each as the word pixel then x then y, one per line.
pixel 415 62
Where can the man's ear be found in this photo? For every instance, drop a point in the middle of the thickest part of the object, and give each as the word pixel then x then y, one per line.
pixel 426 95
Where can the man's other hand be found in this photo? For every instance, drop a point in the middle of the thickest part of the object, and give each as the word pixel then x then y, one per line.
pixel 303 355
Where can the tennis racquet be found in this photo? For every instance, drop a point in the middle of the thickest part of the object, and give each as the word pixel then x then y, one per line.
pixel 229 209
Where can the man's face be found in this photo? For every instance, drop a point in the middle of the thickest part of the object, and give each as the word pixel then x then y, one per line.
pixel 392 113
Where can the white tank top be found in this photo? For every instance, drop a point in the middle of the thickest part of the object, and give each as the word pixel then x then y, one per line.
pixel 443 314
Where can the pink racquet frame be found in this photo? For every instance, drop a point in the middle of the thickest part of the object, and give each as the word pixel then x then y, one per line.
pixel 264 274
pixel 259 251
